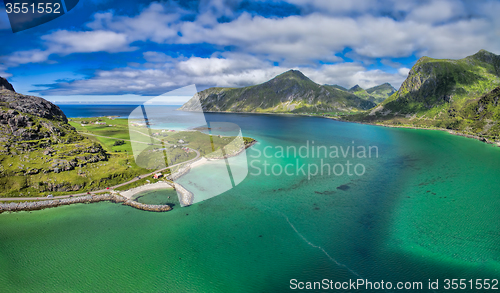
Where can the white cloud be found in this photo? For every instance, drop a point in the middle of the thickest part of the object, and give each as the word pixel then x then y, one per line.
pixel 350 74
pixel 233 70
pixel 295 40
pixel 403 71
pixel 319 36
pixel 109 33
pixel 155 23
pixel 437 11
pixel 30 56
pixel 66 42
pixel 3 72
pixel 238 70
pixel 372 30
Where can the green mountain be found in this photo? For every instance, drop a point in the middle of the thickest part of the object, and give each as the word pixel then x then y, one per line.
pixel 39 150
pixel 441 93
pixel 482 115
pixel 381 92
pixel 339 87
pixel 375 94
pixel 289 92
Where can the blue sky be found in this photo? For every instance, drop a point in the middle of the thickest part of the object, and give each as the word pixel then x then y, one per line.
pixel 132 50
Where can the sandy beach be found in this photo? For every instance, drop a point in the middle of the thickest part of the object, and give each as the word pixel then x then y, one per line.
pixel 129 194
pixel 199 162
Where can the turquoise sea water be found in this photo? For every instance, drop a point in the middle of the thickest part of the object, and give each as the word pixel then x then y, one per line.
pixel 426 208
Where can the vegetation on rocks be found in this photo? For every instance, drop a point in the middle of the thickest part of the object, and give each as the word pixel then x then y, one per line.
pixel 376 94
pixel 41 153
pixel 289 92
pixel 458 95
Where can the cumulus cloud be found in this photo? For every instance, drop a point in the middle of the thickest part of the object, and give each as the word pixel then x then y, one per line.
pixel 238 70
pixel 350 74
pixel 437 11
pixel 3 72
pixel 326 29
pixel 156 23
pixel 319 36
pixel 107 33
pixel 65 42
pixel 232 70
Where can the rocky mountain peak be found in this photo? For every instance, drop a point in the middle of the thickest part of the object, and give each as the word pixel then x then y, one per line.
pixel 291 74
pixel 4 84
pixel 28 104
pixel 355 88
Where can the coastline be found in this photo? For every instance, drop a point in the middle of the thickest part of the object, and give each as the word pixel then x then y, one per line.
pixel 186 197
pixel 129 194
pixel 124 197
pixel 450 131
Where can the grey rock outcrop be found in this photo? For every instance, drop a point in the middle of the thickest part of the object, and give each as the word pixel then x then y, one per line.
pixel 4 84
pixel 30 104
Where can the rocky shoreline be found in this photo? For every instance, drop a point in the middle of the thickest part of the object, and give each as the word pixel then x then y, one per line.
pixel 186 197
pixel 115 198
pixel 450 131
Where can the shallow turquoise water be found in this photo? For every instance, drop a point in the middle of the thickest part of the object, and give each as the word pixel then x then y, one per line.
pixel 158 196
pixel 426 208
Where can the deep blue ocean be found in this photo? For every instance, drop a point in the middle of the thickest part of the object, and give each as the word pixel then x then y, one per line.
pixel 83 111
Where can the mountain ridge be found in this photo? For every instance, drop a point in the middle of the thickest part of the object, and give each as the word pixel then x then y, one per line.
pixel 442 93
pixel 289 92
pixel 36 142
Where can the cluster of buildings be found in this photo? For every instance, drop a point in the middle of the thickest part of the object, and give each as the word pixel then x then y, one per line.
pixel 94 123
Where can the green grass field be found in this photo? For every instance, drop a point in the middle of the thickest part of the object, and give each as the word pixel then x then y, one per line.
pixel 96 161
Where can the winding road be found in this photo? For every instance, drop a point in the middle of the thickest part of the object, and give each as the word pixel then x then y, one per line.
pixel 111 187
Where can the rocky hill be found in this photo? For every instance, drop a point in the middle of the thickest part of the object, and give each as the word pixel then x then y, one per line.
pixel 481 116
pixel 4 84
pixel 35 141
pixel 381 92
pixel 441 84
pixel 289 92
pixel 376 94
pixel 441 93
